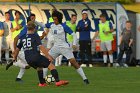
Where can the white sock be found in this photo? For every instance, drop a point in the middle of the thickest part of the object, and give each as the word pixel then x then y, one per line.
pixel 56 61
pixel 81 73
pixel 111 58
pixel 7 55
pixel 45 70
pixel 105 58
pixel 60 59
pixel 21 73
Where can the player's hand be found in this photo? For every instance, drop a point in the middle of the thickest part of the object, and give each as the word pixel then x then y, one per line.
pixel 50 58
pixel 74 47
pixel 44 34
pixel 106 33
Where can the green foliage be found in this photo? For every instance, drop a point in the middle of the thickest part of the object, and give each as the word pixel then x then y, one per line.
pixel 120 1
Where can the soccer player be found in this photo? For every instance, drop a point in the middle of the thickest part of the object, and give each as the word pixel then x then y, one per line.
pixel 1 35
pixel 104 31
pixel 7 35
pixel 32 46
pixel 61 46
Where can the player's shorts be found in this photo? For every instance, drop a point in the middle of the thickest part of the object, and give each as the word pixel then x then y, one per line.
pixel 106 46
pixel 50 42
pixel 56 51
pixel 42 62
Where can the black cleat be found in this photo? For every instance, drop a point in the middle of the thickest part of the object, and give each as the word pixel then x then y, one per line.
pixel 86 81
pixel 0 62
pixel 19 80
pixel 9 65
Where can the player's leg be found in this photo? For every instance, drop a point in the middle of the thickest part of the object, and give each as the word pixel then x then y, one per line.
pixel 109 49
pixel 103 49
pixel 0 49
pixel 82 51
pixel 69 55
pixel 20 75
pixel 88 52
pixel 7 44
pixel 45 63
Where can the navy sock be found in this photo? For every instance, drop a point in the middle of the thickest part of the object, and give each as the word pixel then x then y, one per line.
pixel 40 76
pixel 55 75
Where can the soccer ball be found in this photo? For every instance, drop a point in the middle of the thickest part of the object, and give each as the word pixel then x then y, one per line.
pixel 50 79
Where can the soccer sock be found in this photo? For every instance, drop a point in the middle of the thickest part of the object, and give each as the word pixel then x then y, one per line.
pixel 81 73
pixel 7 55
pixel 55 75
pixel 45 70
pixel 40 76
pixel 21 73
pixel 105 58
pixel 111 58
pixel 60 59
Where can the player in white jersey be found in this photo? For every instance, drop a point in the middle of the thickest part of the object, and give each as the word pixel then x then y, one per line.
pixel 61 46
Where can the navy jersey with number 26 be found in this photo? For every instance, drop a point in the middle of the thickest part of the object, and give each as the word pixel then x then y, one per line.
pixel 30 44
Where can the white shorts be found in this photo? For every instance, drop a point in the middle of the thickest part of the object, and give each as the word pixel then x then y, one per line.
pixel 106 46
pixel 56 51
pixel 50 42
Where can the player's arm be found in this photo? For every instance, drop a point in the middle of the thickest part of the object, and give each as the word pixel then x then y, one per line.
pixel 45 33
pixel 13 29
pixel 42 48
pixel 15 42
pixel 96 34
pixel 19 26
pixel 45 52
pixel 1 29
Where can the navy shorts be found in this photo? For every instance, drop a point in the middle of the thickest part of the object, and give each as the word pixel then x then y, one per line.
pixel 42 62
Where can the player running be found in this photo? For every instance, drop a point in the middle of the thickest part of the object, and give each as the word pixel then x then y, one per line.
pixel 31 44
pixel 61 46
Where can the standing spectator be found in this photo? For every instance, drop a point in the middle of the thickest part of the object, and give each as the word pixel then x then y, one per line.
pixel 7 35
pixel 1 35
pixel 84 28
pixel 105 30
pixel 126 41
pixel 17 25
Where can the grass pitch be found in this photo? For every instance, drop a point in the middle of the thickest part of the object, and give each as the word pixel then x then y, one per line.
pixel 102 80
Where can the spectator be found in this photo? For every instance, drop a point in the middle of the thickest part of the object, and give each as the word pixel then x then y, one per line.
pixel 126 41
pixel 17 25
pixel 104 31
pixel 84 28
pixel 7 35
pixel 1 35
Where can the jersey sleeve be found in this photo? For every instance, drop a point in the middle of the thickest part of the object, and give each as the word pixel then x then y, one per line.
pixel 110 25
pixel 38 40
pixel 19 44
pixel 22 23
pixel 67 29
pixel 23 32
pixel 1 26
pixel 48 25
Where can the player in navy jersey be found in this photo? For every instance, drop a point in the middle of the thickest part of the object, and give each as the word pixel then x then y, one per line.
pixel 32 46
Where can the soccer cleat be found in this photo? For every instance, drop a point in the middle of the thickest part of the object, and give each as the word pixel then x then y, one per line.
pixel 86 81
pixel 61 82
pixel 9 65
pixel 42 85
pixel 19 80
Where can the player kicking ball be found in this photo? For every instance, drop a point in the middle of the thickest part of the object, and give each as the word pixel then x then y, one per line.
pixel 32 46
pixel 61 46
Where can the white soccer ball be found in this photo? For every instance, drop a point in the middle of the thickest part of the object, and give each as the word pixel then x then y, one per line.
pixel 49 79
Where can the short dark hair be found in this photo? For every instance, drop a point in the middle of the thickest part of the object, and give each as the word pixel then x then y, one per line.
pixel 72 15
pixel 7 12
pixel 103 15
pixel 17 12
pixel 32 14
pixel 31 25
pixel 128 21
pixel 58 15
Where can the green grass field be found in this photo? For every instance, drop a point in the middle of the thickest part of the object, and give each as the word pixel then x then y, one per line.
pixel 102 80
